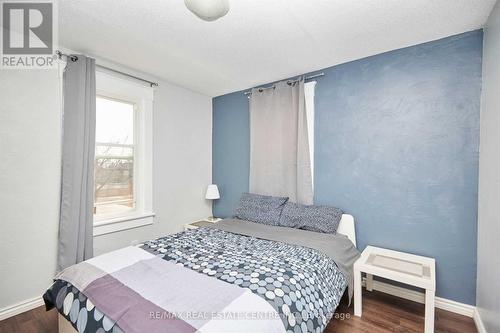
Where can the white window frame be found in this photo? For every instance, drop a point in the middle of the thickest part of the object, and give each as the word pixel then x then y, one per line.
pixel 121 89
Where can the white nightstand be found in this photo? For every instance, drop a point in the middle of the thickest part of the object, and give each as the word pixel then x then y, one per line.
pixel 397 266
pixel 200 223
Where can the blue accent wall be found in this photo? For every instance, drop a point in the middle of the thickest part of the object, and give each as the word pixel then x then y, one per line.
pixel 230 150
pixel 397 145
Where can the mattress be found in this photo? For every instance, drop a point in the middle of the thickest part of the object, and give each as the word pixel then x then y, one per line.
pixel 235 276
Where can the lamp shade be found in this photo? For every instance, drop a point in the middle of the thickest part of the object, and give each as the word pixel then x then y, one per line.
pixel 212 192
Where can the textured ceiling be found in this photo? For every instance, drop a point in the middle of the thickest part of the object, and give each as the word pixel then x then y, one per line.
pixel 258 41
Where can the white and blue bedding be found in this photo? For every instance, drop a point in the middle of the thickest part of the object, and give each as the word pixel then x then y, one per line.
pixel 299 275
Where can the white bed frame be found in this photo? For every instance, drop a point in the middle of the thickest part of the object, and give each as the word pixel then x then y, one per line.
pixel 346 227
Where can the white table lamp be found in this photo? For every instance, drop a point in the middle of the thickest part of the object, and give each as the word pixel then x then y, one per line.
pixel 212 194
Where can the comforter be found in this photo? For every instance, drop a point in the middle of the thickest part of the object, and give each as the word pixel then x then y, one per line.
pixel 235 276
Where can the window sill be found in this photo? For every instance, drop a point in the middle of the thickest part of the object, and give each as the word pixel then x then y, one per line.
pixel 103 227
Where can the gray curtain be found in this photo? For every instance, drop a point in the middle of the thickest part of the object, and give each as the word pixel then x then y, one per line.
pixel 279 149
pixel 77 183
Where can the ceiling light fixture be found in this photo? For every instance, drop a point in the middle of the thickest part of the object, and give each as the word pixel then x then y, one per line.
pixel 208 10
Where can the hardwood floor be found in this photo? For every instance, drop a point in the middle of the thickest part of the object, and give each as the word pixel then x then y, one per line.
pixel 386 313
pixel 34 321
pixel 381 313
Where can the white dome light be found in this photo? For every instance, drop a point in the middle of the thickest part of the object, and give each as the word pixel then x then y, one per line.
pixel 208 10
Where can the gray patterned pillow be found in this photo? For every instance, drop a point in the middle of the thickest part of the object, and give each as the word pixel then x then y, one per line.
pixel 323 219
pixel 260 208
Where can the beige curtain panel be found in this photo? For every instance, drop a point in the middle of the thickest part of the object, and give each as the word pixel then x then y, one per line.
pixel 279 147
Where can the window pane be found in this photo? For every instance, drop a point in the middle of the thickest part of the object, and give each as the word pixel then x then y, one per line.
pixel 114 158
pixel 108 150
pixel 114 121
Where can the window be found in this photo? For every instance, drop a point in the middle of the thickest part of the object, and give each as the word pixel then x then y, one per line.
pixel 123 154
pixel 114 193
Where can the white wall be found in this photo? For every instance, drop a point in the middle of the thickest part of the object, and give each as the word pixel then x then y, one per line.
pixel 30 169
pixel 488 261
pixel 30 150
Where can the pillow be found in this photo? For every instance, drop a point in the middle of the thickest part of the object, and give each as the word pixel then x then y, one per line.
pixel 323 219
pixel 260 208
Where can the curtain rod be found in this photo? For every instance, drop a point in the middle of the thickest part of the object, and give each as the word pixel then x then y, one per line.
pixel 249 93
pixel 75 58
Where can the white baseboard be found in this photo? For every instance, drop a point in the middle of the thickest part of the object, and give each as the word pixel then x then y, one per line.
pixel 20 307
pixel 412 295
pixel 479 322
pixel 416 296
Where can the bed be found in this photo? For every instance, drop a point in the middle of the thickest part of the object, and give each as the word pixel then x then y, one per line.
pixel 234 276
